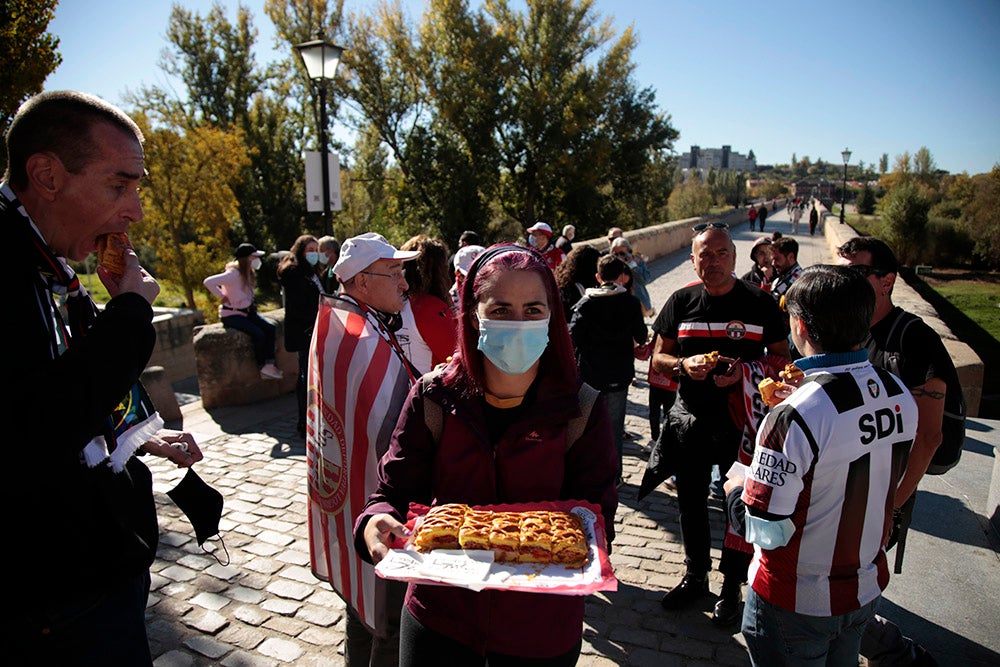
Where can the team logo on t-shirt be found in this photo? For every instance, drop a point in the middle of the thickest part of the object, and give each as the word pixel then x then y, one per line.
pixel 736 330
pixel 873 388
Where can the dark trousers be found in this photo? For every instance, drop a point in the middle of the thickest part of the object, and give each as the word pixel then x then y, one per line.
pixel 419 646
pixel 361 647
pixel 660 401
pixel 261 331
pixel 107 629
pixel 702 444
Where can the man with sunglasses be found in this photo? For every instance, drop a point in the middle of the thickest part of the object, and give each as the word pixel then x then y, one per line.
pixel 921 361
pixel 740 321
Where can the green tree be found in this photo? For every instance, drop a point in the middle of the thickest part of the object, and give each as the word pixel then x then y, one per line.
pixel 189 200
pixel 904 211
pixel 981 218
pixel 689 199
pixel 28 54
pixel 883 164
pixel 866 200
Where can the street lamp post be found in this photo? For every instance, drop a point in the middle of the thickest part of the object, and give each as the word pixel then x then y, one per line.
pixel 846 154
pixel 321 58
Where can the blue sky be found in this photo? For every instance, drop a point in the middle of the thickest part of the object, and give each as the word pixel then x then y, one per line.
pixel 776 77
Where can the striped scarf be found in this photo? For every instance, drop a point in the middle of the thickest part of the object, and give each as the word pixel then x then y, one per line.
pixel 135 419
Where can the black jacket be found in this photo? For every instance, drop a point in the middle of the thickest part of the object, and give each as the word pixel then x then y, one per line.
pixel 606 324
pixel 301 305
pixel 72 532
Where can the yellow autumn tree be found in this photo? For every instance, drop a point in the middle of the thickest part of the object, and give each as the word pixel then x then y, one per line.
pixel 188 200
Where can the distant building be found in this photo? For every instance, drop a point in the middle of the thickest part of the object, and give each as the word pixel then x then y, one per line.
pixel 820 188
pixel 721 159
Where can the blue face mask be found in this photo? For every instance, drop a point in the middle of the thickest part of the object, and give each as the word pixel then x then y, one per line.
pixel 312 258
pixel 513 346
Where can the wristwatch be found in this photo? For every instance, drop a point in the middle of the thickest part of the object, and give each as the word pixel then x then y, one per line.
pixel 679 367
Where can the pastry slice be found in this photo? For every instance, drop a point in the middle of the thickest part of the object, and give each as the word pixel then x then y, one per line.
pixel 475 530
pixel 569 542
pixel 536 538
pixel 111 252
pixel 440 526
pixel 505 536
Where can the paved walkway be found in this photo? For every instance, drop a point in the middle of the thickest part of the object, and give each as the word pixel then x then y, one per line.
pixel 266 608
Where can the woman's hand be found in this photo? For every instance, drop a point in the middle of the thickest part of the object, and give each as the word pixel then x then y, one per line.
pixel 379 532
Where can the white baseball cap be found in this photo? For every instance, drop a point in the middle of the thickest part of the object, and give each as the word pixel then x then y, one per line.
pixel 540 227
pixel 360 252
pixel 466 255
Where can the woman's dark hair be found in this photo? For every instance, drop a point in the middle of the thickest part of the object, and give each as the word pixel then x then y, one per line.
pixel 557 361
pixel 297 255
pixel 580 266
pixel 836 303
pixel 429 273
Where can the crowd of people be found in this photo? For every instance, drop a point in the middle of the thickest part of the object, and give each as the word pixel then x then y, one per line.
pixel 497 374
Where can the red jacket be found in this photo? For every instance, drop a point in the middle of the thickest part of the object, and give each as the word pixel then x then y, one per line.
pixel 529 463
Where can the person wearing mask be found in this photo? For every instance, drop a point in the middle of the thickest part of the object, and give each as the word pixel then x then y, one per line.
pixel 329 252
pixel 463 260
pixel 81 500
pixel 817 497
pixel 362 377
pixel 512 392
pixel 540 238
pixel 237 310
pixel 718 314
pixel 299 275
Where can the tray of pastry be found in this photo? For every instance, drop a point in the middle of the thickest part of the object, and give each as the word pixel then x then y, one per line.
pixel 549 547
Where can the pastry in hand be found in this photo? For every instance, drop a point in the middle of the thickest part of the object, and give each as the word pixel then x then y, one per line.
pixel 774 391
pixel 711 357
pixel 111 252
pixel 793 374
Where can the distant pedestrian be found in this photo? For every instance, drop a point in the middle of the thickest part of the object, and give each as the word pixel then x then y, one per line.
pixel 813 220
pixel 796 216
pixel 762 216
pixel 238 310
pixel 565 240
pixel 752 217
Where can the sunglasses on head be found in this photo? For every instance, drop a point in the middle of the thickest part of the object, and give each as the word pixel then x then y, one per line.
pixel 866 270
pixel 709 225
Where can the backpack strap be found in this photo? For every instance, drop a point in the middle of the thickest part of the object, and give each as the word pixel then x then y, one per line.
pixel 433 414
pixel 587 396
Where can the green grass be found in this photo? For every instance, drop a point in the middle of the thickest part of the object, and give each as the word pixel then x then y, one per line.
pixel 979 301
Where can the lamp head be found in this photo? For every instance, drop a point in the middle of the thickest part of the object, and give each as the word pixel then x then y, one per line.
pixel 320 57
pixel 846 154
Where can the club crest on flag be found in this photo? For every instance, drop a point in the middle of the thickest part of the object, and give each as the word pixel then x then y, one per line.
pixel 327 485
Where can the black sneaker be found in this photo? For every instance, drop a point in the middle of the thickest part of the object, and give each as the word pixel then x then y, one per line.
pixel 683 594
pixel 727 609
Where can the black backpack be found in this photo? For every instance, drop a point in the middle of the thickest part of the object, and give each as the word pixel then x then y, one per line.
pixel 953 423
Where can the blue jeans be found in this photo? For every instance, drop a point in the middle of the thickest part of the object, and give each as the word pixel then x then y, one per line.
pixel 262 333
pixel 777 637
pixel 617 402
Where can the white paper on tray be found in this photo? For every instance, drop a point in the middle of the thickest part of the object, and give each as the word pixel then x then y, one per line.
pixel 476 569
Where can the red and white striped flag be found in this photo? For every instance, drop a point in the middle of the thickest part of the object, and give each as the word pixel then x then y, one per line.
pixel 357 385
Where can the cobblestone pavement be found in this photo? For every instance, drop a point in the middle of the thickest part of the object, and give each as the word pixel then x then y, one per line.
pixel 266 608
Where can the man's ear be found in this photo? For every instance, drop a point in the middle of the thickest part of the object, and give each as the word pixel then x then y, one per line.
pixel 45 171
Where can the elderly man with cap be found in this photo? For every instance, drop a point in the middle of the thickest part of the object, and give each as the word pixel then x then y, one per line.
pixel 540 238
pixel 358 380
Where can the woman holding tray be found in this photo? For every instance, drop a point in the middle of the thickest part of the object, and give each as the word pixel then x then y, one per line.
pixel 496 425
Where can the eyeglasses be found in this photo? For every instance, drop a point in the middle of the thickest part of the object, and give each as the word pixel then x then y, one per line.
pixel 866 270
pixel 397 276
pixel 709 225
